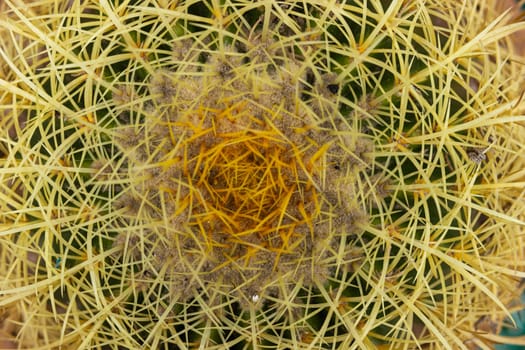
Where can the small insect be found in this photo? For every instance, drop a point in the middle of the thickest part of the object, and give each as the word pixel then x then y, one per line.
pixel 478 155
pixel 57 262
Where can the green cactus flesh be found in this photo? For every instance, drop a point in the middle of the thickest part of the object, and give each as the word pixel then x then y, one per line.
pixel 259 175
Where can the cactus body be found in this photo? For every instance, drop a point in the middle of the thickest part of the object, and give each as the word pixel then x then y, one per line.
pixel 259 175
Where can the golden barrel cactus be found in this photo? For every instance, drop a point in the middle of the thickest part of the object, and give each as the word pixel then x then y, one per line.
pixel 234 174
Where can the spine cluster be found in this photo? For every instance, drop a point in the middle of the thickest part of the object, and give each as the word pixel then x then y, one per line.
pixel 248 171
pixel 237 174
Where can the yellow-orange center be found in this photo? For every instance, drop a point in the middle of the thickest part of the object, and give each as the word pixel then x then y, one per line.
pixel 251 188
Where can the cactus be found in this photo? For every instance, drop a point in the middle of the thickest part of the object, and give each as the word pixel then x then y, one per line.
pixel 260 175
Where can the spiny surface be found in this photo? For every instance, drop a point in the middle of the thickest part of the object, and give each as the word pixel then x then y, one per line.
pixel 251 182
pixel 191 174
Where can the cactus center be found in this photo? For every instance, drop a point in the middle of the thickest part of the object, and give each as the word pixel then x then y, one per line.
pixel 249 185
pixel 238 179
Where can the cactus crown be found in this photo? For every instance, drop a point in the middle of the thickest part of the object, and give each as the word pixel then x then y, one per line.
pixel 320 174
pixel 248 169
